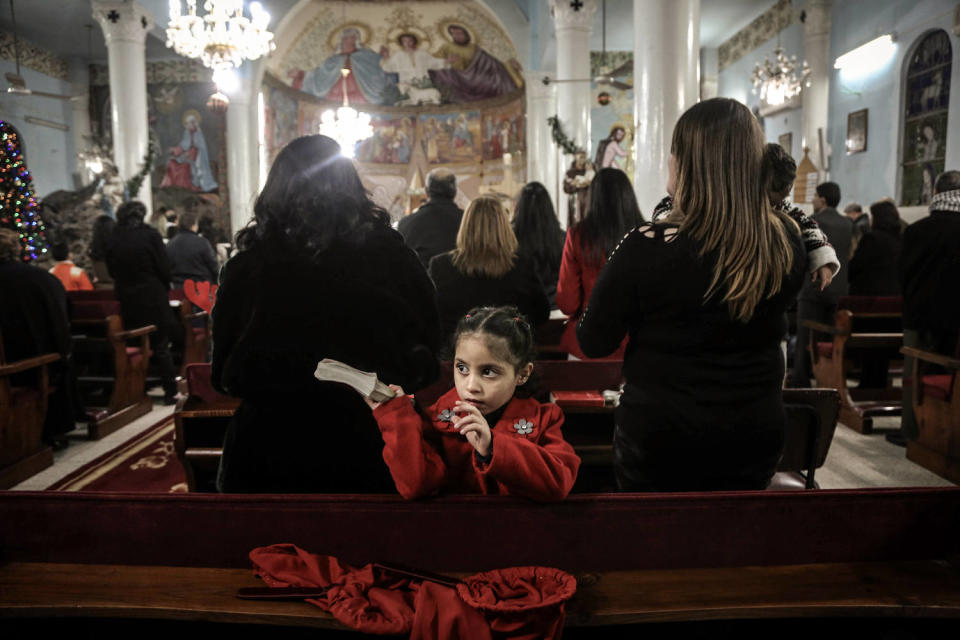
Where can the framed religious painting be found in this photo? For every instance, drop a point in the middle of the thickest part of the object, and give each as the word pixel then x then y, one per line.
pixel 857 131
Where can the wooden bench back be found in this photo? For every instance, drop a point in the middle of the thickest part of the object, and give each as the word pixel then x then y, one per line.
pixel 587 532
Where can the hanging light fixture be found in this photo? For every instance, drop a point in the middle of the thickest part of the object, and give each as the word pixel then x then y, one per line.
pixel 777 80
pixel 347 126
pixel 222 38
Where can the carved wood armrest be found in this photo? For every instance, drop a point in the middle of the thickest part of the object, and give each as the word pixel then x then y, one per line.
pixel 123 336
pixel 28 363
pixel 930 356
pixel 823 328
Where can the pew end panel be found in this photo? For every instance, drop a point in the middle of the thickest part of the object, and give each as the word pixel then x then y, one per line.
pixel 862 331
pixel 936 406
pixel 24 389
pixel 113 366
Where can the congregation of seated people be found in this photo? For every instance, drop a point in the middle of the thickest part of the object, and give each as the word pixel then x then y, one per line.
pixel 693 299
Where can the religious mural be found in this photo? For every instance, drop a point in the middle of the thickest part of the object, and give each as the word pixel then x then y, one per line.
pixel 189 136
pixel 440 81
pixel 401 54
pixel 925 117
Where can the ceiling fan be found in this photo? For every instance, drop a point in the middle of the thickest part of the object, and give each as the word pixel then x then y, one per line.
pixel 610 77
pixel 17 85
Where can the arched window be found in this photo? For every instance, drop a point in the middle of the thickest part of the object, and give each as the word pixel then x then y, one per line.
pixel 925 116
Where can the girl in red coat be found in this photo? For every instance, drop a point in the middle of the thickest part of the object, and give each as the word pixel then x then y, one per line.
pixel 480 437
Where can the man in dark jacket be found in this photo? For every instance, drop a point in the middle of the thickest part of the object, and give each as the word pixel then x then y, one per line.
pixel 814 304
pixel 191 256
pixel 140 269
pixel 432 229
pixel 34 321
pixel 929 273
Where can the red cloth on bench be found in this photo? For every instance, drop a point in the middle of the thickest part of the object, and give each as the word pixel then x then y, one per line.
pixel 937 386
pixel 522 602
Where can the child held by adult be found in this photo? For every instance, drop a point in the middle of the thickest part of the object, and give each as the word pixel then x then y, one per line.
pixel 485 435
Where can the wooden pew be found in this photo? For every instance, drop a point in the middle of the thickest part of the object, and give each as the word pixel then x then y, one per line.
pixel 197 333
pixel 200 422
pixel 547 338
pixel 22 412
pixel 109 365
pixel 864 326
pixel 879 556
pixel 936 406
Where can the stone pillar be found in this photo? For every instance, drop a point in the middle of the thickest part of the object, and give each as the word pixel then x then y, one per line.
pixel 78 73
pixel 709 73
pixel 816 97
pixel 573 22
pixel 125 26
pixel 243 158
pixel 666 55
pixel 541 152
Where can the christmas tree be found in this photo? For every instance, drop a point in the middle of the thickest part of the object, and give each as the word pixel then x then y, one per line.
pixel 18 206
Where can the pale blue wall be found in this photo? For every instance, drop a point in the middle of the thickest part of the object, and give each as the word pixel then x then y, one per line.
pixel 869 176
pixel 49 152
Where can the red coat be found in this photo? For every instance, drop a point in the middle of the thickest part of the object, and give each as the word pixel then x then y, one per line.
pixel 427 455
pixel 577 277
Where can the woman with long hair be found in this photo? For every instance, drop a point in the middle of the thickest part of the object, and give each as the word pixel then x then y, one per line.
pixel 485 269
pixel 613 211
pixel 539 235
pixel 873 267
pixel 702 298
pixel 320 274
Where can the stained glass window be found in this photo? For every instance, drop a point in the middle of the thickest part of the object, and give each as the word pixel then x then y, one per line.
pixel 925 116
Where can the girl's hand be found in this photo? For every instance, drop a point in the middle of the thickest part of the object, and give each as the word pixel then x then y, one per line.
pixel 374 405
pixel 825 275
pixel 473 426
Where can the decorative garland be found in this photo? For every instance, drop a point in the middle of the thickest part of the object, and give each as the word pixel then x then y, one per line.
pixel 559 137
pixel 133 184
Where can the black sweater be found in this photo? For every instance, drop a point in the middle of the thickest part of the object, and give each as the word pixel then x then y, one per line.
pixel 930 273
pixel 457 292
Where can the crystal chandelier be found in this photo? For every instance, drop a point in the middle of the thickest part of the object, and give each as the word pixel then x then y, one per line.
pixel 777 80
pixel 347 126
pixel 222 38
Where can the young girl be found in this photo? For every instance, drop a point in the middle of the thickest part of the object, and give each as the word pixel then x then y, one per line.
pixel 480 437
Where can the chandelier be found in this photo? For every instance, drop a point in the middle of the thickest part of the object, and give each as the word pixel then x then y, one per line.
pixel 777 80
pixel 222 38
pixel 347 126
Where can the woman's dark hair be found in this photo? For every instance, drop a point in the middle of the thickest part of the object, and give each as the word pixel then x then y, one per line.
pixel 779 169
pixel 612 212
pixel 131 213
pixel 885 217
pixel 312 197
pixel 535 224
pixel 514 341
pixel 102 230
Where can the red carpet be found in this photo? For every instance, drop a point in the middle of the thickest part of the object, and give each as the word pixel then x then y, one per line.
pixel 146 463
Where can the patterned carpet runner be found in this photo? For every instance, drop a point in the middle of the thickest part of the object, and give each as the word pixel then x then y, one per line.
pixel 146 463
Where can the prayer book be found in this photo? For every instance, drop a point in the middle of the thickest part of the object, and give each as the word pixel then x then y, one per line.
pixel 365 382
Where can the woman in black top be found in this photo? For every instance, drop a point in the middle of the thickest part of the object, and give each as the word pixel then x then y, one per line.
pixel 320 274
pixel 138 264
pixel 873 267
pixel 539 235
pixel 702 298
pixel 485 270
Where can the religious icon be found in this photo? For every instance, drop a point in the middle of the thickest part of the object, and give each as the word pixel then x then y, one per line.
pixel 609 151
pixel 189 164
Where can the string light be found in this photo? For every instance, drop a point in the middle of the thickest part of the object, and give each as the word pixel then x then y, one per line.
pixel 18 208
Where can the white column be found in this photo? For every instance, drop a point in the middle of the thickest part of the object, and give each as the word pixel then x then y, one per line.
pixel 541 154
pixel 243 158
pixel 816 97
pixel 709 73
pixel 125 26
pixel 573 22
pixel 78 73
pixel 666 36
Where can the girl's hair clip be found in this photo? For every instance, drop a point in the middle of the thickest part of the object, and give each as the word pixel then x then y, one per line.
pixel 516 318
pixel 467 316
